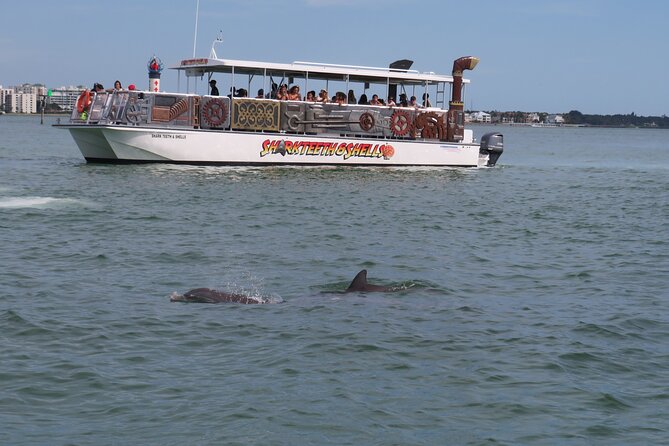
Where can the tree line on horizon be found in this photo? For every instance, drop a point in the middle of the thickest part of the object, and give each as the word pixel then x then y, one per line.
pixel 618 120
pixel 575 117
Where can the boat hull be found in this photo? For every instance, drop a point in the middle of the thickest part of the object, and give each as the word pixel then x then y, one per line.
pixel 128 144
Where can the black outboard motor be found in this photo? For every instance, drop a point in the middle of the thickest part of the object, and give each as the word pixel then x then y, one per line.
pixel 492 144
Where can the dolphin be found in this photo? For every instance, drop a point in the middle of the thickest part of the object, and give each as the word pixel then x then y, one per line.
pixel 209 296
pixel 360 284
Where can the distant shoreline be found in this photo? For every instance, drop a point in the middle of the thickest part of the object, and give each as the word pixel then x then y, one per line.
pixel 27 115
pixel 592 126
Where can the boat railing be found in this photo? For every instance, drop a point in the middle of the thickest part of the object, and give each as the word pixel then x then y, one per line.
pixel 215 113
pixel 138 108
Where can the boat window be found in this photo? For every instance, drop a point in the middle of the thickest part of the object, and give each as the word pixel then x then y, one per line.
pixel 164 101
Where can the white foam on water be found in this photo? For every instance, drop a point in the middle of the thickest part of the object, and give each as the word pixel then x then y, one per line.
pixel 35 202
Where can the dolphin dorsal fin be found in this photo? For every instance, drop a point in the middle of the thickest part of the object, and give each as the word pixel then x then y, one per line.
pixel 360 281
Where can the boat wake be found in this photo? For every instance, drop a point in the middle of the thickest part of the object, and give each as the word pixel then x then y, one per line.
pixel 35 202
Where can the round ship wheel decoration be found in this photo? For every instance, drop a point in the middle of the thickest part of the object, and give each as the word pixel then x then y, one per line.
pixel 214 112
pixel 431 126
pixel 133 113
pixel 366 121
pixel 400 123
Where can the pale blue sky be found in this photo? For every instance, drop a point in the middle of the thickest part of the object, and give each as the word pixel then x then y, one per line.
pixel 595 56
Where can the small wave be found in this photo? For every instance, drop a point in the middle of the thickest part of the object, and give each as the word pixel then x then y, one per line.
pixel 608 401
pixel 600 330
pixel 35 202
pixel 579 357
pixel 12 317
pixel 468 309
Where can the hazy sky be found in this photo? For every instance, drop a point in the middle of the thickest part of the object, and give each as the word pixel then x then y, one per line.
pixel 596 56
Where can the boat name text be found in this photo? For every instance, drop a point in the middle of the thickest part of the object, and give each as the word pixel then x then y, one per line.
pixel 168 135
pixel 187 62
pixel 319 148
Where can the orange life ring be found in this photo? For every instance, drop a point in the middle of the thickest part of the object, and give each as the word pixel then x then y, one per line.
pixel 84 101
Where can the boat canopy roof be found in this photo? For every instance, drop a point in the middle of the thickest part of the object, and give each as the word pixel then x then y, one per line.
pixel 311 70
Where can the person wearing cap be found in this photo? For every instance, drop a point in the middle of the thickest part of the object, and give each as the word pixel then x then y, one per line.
pixel 214 89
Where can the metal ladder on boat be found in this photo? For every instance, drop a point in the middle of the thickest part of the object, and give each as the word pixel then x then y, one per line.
pixel 440 100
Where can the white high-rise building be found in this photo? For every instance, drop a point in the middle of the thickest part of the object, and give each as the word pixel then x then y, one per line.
pixel 26 98
pixel 26 103
pixel 21 99
pixel 4 97
pixel 10 102
pixel 20 102
pixel 65 97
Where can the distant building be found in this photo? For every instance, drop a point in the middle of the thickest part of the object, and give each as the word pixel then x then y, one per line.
pixel 480 117
pixel 26 103
pixel 26 97
pixel 65 97
pixel 21 99
pixel 531 118
pixel 554 119
pixel 36 89
pixel 20 102
pixel 3 93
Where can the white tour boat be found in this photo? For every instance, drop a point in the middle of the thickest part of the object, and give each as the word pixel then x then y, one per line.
pixel 156 126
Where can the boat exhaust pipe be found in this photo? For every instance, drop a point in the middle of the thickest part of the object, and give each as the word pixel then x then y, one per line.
pixel 456 115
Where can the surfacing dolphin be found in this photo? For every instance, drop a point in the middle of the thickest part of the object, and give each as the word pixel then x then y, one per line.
pixel 360 284
pixel 209 296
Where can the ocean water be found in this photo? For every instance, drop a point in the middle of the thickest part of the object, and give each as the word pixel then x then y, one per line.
pixel 534 309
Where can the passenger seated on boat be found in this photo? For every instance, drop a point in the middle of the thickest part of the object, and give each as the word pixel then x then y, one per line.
pixel 363 99
pixel 351 97
pixel 426 100
pixel 375 100
pixel 340 98
pixel 282 94
pixel 242 93
pixel 273 91
pixel 381 102
pixel 414 103
pixel 261 94
pixel 391 102
pixel 403 100
pixel 294 93
pixel 323 97
pixel 311 96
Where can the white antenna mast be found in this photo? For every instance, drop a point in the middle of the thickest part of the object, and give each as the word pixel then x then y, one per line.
pixel 219 39
pixel 197 16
